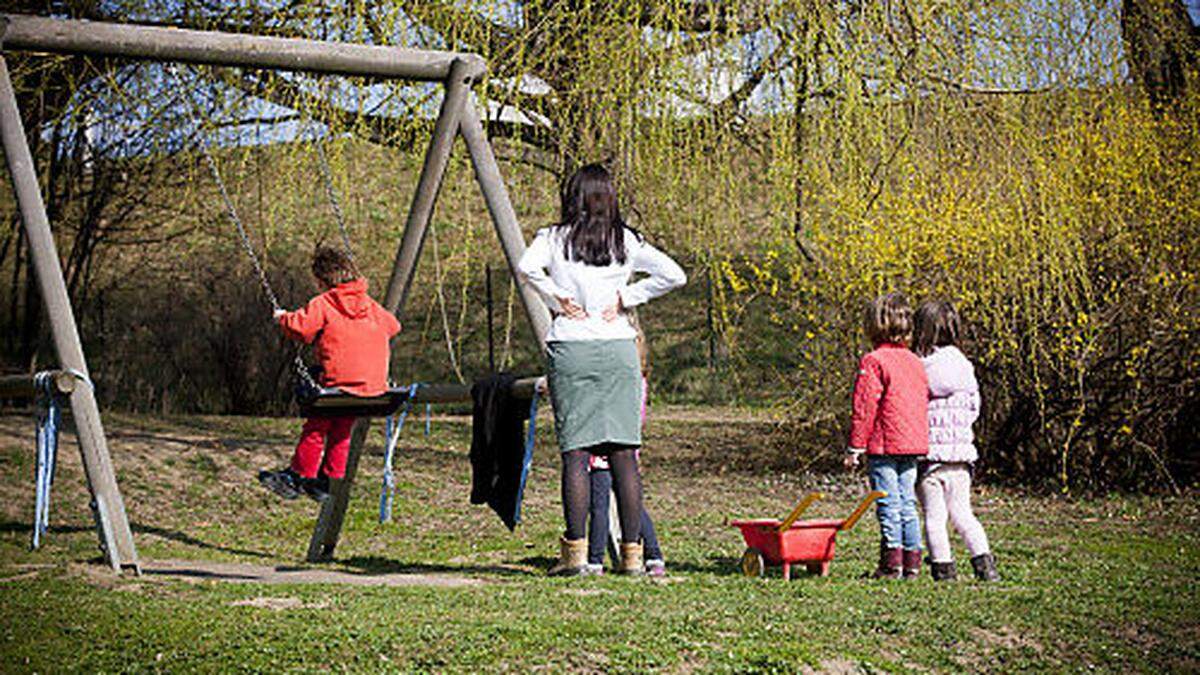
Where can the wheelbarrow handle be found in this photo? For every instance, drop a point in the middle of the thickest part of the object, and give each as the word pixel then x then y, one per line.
pixel 862 508
pixel 800 508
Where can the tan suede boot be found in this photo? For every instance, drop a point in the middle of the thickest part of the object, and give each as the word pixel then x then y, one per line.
pixel 631 559
pixel 572 558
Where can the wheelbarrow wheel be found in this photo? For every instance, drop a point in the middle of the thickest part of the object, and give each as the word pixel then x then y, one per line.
pixel 753 564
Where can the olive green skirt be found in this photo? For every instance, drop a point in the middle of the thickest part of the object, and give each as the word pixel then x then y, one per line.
pixel 595 386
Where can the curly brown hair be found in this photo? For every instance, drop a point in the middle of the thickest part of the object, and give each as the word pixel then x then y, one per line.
pixel 888 319
pixel 333 266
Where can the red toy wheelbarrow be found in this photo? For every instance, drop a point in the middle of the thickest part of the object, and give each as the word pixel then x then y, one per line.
pixel 811 542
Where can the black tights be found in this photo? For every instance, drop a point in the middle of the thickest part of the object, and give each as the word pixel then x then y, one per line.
pixel 627 483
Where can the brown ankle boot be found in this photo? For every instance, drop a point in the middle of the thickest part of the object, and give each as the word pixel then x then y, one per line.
pixel 984 565
pixel 631 559
pixel 891 564
pixel 912 564
pixel 572 558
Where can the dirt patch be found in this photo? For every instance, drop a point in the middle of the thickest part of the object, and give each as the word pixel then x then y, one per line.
pixel 834 667
pixel 100 576
pixel 1005 639
pixel 994 642
pixel 19 572
pixel 193 570
pixel 278 604
pixel 586 592
pixel 19 577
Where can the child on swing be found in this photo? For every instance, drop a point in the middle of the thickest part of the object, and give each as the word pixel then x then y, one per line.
pixel 351 334
pixel 600 476
pixel 890 425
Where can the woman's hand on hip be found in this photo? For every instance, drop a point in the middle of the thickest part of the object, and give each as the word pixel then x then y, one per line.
pixel 613 312
pixel 571 309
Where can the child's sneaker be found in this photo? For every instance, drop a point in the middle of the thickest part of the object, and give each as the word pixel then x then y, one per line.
pixel 317 488
pixel 593 570
pixel 655 567
pixel 285 482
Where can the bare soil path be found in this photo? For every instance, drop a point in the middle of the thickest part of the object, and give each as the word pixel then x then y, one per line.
pixel 202 570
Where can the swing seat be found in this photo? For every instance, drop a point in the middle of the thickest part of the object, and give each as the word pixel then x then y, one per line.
pixel 333 402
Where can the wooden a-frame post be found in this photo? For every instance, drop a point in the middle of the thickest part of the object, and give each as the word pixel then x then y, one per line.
pixel 108 509
pixel 458 115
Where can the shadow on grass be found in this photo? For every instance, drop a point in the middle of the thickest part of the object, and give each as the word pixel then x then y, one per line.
pixel 26 528
pixel 173 535
pixel 721 566
pixel 189 540
pixel 200 443
pixel 200 574
pixel 532 566
pixel 376 565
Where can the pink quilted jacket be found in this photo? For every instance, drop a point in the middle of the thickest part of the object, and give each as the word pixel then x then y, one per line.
pixel 953 406
pixel 891 403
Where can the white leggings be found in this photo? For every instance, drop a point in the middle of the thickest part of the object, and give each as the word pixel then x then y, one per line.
pixel 946 492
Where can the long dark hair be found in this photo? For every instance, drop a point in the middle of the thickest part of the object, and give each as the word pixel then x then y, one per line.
pixel 592 218
pixel 935 325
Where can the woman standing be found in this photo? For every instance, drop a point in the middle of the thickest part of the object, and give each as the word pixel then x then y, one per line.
pixel 583 266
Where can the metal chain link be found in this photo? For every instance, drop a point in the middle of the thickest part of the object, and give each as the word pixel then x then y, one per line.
pixel 327 178
pixel 232 213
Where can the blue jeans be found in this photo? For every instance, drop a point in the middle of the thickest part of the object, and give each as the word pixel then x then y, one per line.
pixel 899 525
pixel 598 529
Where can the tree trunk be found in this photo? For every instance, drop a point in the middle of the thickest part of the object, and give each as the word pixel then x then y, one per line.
pixel 1162 47
pixel 800 142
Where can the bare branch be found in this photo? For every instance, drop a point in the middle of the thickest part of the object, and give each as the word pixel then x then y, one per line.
pixel 983 91
pixel 704 16
pixel 448 21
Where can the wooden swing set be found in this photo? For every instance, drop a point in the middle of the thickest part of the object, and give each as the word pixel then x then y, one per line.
pixel 457 115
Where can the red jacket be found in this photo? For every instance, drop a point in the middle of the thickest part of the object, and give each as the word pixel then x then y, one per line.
pixel 352 334
pixel 891 399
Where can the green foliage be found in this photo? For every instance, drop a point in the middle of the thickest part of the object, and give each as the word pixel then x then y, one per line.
pixel 1069 250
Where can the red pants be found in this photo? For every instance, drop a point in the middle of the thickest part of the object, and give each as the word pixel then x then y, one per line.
pixel 330 435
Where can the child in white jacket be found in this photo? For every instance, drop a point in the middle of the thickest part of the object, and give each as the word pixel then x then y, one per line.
pixel 944 483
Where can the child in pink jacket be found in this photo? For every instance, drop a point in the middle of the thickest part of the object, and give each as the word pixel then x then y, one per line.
pixel 944 475
pixel 890 425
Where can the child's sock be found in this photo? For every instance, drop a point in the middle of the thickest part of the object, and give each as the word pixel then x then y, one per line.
pixel 655 567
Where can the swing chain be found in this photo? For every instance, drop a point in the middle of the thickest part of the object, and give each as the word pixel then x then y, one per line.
pixel 232 213
pixel 393 425
pixel 241 229
pixel 327 179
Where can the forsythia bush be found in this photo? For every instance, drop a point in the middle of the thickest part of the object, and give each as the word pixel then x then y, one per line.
pixel 1072 252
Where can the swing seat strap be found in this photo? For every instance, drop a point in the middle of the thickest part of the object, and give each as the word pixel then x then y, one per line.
pixel 393 425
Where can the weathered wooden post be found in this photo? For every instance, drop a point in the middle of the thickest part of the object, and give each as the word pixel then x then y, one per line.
pixel 108 509
pixel 504 218
pixel 333 511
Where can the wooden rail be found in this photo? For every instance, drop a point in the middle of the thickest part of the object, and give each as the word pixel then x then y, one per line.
pixel 165 43
pixel 24 387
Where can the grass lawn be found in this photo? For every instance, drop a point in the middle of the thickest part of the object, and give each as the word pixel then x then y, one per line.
pixel 1107 584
